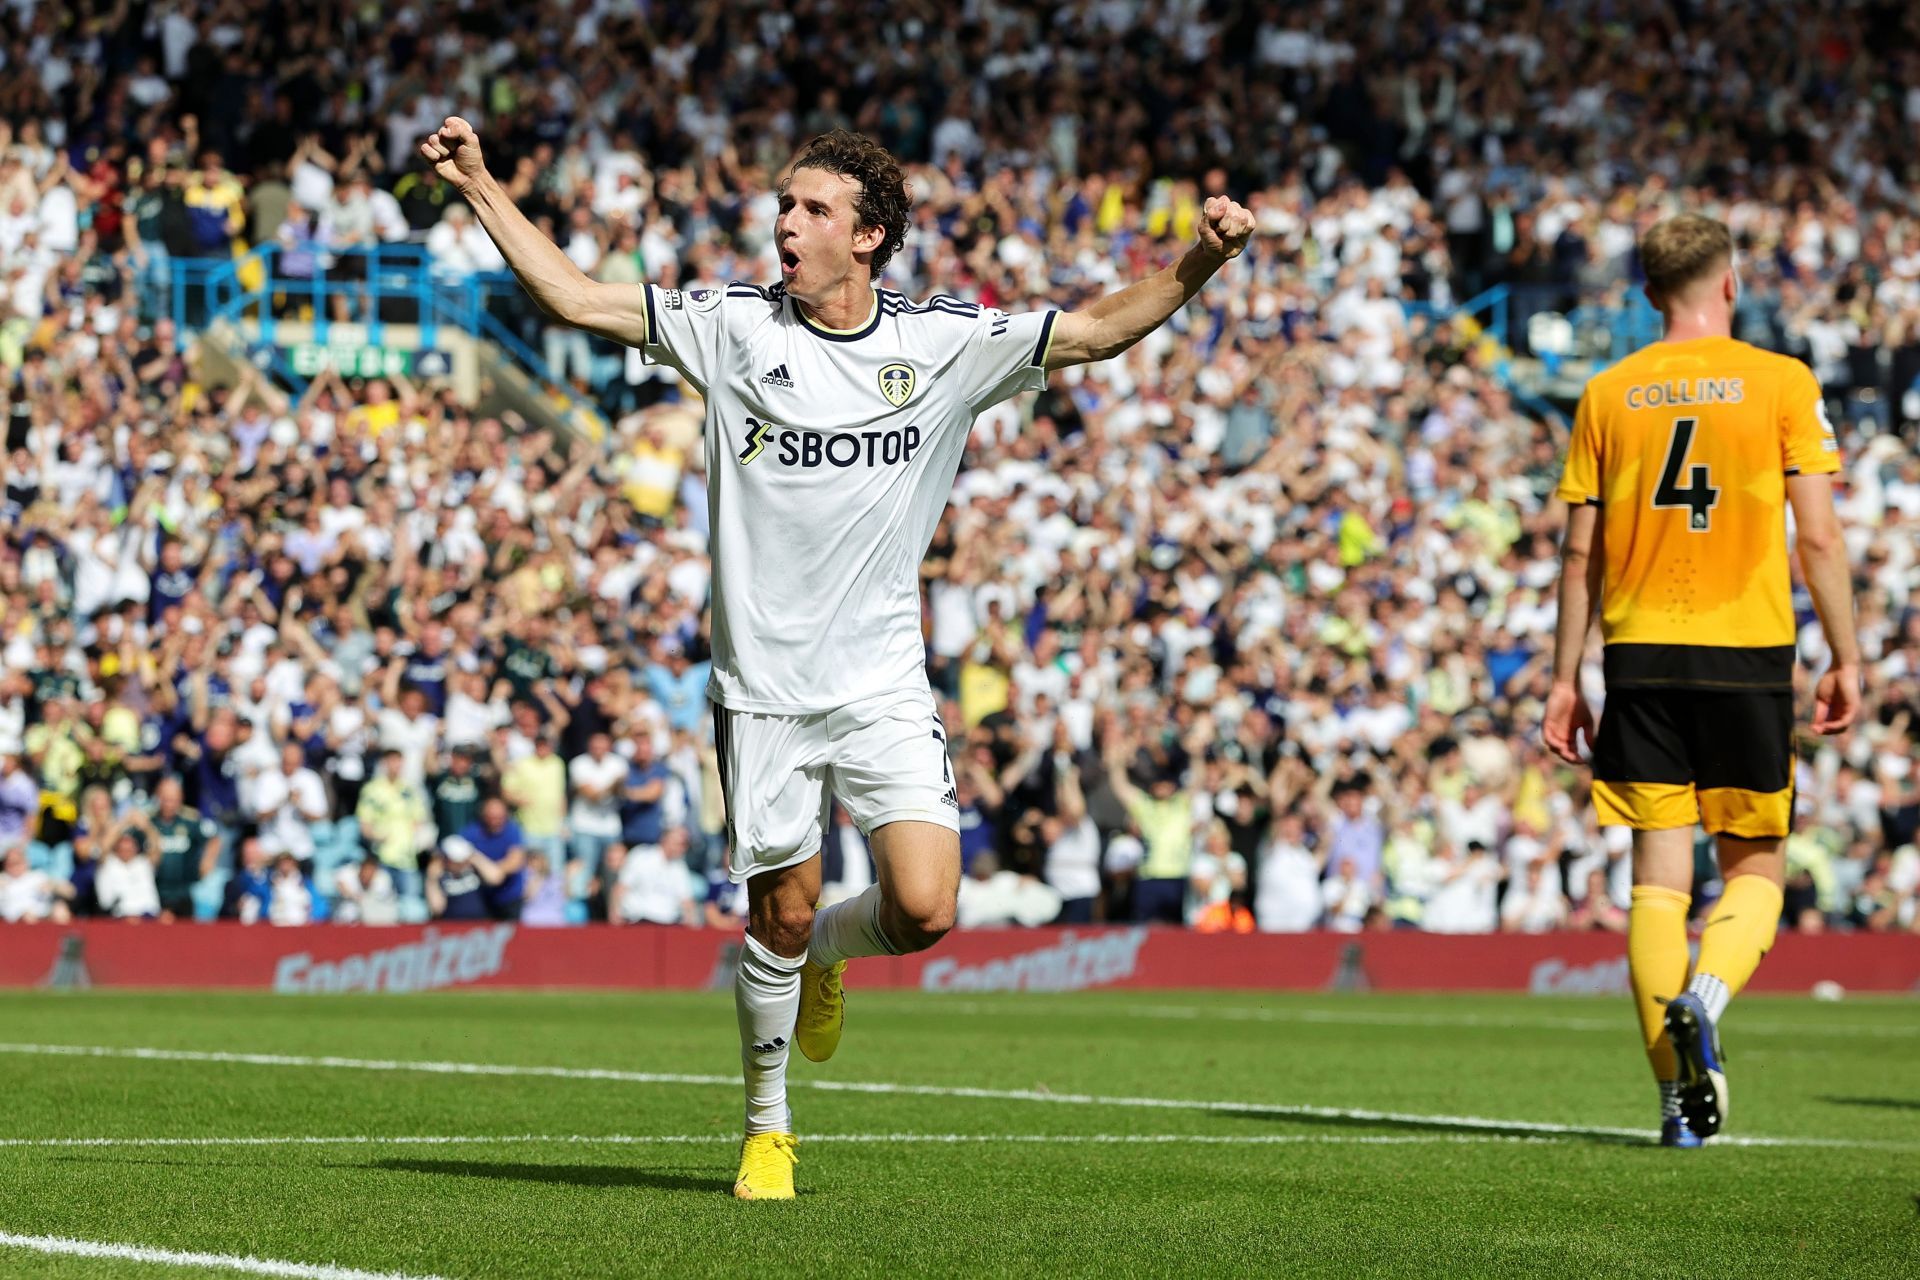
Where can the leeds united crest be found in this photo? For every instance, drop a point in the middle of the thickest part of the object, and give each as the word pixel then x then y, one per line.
pixel 896 384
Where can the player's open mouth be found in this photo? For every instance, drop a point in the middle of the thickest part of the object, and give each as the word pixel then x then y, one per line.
pixel 789 262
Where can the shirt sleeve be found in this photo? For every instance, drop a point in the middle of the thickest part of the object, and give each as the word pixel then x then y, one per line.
pixel 1808 446
pixel 687 330
pixel 1004 355
pixel 1580 482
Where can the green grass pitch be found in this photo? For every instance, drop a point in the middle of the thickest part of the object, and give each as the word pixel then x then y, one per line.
pixel 1349 1135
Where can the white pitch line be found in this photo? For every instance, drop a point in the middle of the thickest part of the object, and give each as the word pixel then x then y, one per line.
pixel 1297 1111
pixel 681 1139
pixel 1382 1018
pixel 175 1258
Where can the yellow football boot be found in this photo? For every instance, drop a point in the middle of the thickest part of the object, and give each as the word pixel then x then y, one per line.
pixel 823 1010
pixel 766 1167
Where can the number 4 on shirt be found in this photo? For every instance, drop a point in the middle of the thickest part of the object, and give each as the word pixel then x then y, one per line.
pixel 1699 497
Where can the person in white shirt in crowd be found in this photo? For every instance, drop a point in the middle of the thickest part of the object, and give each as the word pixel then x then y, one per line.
pixel 459 246
pixel 292 899
pixel 1534 903
pixel 1287 894
pixel 406 726
pixel 1217 872
pixel 654 885
pixel 1072 865
pixel 1527 847
pixel 125 883
pixel 1465 891
pixel 473 713
pixel 31 896
pixel 596 778
pixel 993 895
pixel 363 893
pixel 287 801
pixel 1348 895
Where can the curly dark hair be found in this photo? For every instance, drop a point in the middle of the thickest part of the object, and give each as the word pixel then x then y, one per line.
pixel 882 201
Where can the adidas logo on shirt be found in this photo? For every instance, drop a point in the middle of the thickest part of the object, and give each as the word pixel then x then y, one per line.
pixel 777 377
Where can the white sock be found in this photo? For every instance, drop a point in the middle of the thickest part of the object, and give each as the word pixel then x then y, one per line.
pixel 1669 1099
pixel 848 930
pixel 766 995
pixel 1712 992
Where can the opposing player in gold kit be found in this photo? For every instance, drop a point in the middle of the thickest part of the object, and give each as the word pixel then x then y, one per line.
pixel 1684 460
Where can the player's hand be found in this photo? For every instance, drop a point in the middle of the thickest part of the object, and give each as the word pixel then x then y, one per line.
pixel 1836 699
pixel 1225 227
pixel 1568 718
pixel 454 152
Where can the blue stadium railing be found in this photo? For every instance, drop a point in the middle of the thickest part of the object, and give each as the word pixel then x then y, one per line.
pixel 397 284
pixel 1611 334
pixel 1601 334
pixel 1492 311
pixel 390 284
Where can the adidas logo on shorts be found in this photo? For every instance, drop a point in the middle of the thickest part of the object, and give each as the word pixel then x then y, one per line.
pixel 777 377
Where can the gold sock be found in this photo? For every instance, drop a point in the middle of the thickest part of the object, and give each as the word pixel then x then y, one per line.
pixel 1657 961
pixel 1739 931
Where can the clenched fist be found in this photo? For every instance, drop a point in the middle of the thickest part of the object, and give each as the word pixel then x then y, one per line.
pixel 454 152
pixel 1224 227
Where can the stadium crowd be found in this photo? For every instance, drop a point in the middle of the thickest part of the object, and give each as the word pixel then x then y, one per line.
pixel 1248 628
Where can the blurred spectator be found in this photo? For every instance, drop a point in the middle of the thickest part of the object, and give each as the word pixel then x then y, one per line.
pixel 1597 910
pixel 597 779
pixel 455 887
pixel 189 848
pixel 1072 863
pixel 1288 900
pixel 125 884
pixel 1464 893
pixel 643 803
pixel 393 819
pixel 287 801
pixel 292 897
pixel 457 790
pixel 29 895
pixel 1535 904
pixel 1218 883
pixel 498 856
pixel 19 801
pixel 249 892
pixel 364 894
pixel 536 786
pixel 994 895
pixel 651 884
pixel 1163 816
pixel 545 903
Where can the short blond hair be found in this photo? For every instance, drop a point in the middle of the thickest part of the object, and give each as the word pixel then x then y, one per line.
pixel 1683 250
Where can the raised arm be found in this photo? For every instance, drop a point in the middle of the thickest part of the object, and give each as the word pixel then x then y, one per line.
pixel 1116 754
pixel 562 290
pixel 436 896
pixel 1121 319
pixel 1068 800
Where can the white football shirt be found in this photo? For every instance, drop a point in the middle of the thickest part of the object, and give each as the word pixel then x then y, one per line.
pixel 830 455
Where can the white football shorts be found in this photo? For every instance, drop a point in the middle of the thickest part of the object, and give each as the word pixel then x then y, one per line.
pixel 884 758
